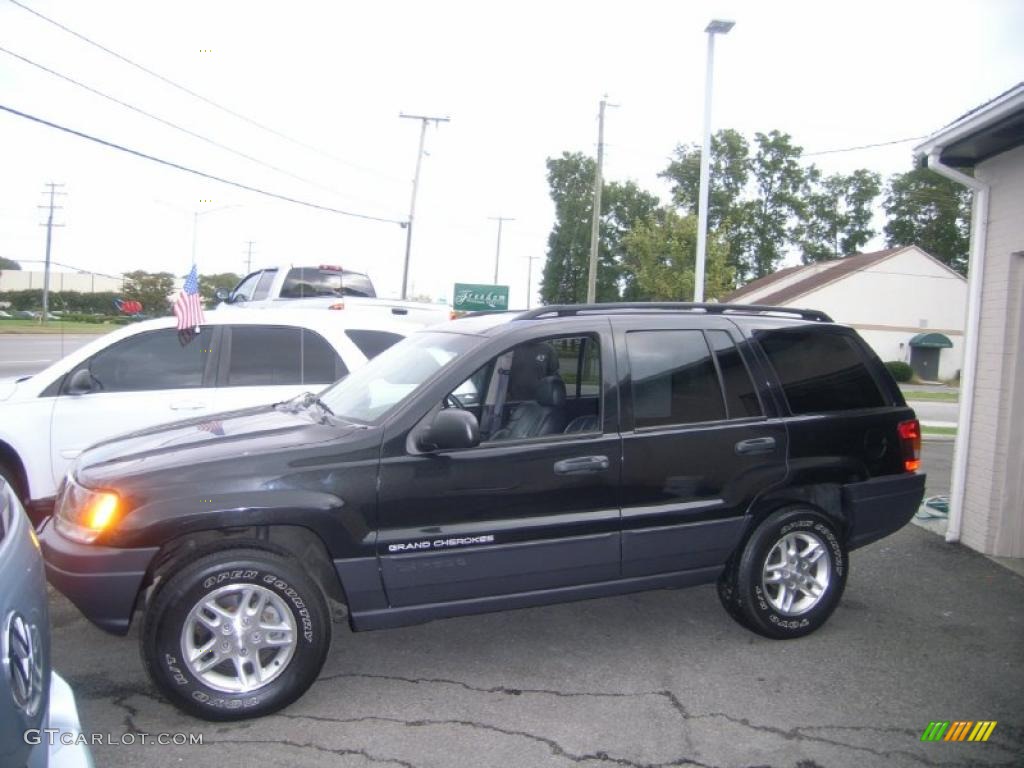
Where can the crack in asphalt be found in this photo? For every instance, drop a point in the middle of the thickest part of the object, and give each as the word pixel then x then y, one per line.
pixel 793 734
pixel 339 752
pixel 556 749
pixel 96 687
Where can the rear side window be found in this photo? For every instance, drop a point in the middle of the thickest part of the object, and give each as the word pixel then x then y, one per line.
pixel 372 343
pixel 267 355
pixel 820 370
pixel 674 378
pixel 740 397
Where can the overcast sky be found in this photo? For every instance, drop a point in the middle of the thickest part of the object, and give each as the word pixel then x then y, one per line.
pixel 521 82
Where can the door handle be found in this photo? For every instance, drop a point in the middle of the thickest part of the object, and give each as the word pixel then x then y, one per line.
pixel 581 465
pixel 187 405
pixel 756 445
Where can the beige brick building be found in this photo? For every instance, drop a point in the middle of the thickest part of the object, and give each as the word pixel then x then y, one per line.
pixel 984 150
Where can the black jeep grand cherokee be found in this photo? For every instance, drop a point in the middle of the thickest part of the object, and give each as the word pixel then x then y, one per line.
pixel 499 461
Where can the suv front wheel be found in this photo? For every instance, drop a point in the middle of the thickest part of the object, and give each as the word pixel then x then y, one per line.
pixel 235 634
pixel 789 577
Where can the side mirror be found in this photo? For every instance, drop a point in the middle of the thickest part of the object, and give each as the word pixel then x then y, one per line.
pixel 452 429
pixel 223 295
pixel 82 382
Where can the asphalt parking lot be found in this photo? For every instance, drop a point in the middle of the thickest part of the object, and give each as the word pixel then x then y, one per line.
pixel 926 631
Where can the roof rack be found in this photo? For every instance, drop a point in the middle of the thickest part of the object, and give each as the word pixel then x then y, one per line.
pixel 565 310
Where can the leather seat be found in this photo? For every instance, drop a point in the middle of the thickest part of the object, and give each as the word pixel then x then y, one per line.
pixel 545 415
pixel 585 423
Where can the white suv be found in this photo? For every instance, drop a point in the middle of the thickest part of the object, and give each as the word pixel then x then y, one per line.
pixel 143 375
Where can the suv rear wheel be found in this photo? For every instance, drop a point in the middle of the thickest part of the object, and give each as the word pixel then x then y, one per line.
pixel 238 633
pixel 789 577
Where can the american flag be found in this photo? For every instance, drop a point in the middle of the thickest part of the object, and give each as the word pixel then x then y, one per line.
pixel 187 307
pixel 215 427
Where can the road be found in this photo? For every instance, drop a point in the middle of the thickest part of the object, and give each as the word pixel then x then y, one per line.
pixel 22 354
pixel 925 631
pixel 935 412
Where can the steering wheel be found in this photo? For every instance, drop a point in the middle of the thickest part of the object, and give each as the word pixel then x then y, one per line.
pixel 454 401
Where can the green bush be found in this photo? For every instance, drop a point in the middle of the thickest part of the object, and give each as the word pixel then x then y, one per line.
pixel 900 371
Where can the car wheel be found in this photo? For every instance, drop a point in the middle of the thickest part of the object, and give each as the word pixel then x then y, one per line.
pixel 790 575
pixel 236 634
pixel 727 593
pixel 13 478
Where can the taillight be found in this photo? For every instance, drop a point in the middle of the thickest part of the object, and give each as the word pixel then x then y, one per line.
pixel 910 440
pixel 337 305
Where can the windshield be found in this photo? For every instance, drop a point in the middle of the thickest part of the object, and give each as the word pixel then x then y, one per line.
pixel 374 390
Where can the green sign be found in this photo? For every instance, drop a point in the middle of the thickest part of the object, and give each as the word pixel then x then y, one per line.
pixel 470 297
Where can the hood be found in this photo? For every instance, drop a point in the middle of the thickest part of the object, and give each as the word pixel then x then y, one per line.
pixel 9 386
pixel 182 447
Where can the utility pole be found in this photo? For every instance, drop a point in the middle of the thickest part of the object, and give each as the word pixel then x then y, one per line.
pixel 595 224
pixel 497 254
pixel 415 185
pixel 248 258
pixel 529 279
pixel 49 235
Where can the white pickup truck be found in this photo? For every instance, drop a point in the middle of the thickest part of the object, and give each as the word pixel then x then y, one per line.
pixel 325 286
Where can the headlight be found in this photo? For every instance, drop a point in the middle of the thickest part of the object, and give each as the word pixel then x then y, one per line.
pixel 83 514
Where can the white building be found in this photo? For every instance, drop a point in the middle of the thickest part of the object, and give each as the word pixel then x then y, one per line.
pixel 984 151
pixel 907 305
pixel 83 282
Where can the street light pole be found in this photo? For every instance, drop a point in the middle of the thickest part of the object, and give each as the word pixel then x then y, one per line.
pixel 415 186
pixel 497 254
pixel 716 27
pixel 529 279
pixel 195 224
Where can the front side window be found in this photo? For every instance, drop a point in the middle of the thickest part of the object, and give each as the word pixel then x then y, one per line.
pixel 150 361
pixel 244 290
pixel 536 389
pixel 263 286
pixel 372 392
pixel 673 378
pixel 266 355
pixel 820 370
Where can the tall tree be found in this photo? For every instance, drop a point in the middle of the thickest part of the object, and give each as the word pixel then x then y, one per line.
pixel 729 175
pixel 623 206
pixel 153 289
pixel 929 211
pixel 210 284
pixel 836 214
pixel 768 223
pixel 663 248
pixel 6 263
pixel 571 181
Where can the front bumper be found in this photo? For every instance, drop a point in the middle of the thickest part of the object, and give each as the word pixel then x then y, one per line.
pixel 881 506
pixel 102 582
pixel 63 716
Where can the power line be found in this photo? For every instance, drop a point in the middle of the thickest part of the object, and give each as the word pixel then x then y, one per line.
pixel 863 146
pixel 195 172
pixel 168 123
pixel 199 96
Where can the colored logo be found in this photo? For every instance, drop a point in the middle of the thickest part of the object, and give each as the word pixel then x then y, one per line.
pixel 958 730
pixel 470 297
